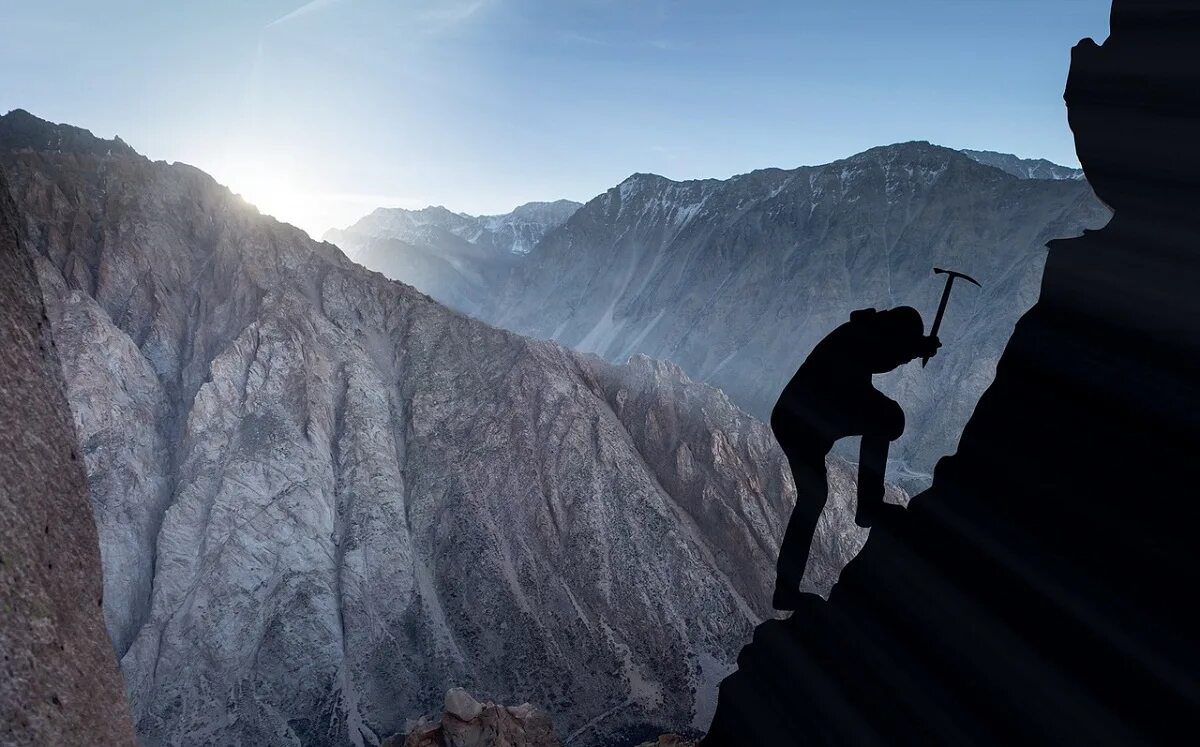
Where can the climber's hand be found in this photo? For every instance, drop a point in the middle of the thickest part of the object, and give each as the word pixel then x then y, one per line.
pixel 930 346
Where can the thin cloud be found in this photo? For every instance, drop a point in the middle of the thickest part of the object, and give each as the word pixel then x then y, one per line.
pixel 450 14
pixel 668 45
pixel 574 37
pixel 309 7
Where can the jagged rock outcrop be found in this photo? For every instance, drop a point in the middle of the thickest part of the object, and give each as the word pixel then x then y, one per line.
pixel 59 683
pixel 465 722
pixel 323 499
pixel 1041 592
pixel 458 259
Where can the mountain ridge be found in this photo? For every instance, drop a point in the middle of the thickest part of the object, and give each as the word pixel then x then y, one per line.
pixel 1025 168
pixel 514 232
pixel 456 255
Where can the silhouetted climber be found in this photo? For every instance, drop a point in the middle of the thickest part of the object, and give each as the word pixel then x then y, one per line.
pixel 831 397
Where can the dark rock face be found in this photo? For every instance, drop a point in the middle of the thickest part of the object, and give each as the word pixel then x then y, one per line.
pixel 323 499
pixel 1041 590
pixel 59 683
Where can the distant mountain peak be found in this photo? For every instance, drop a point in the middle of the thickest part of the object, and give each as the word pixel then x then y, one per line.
pixel 645 176
pixel 441 212
pixel 914 152
pixel 538 209
pixel 1025 168
pixel 904 148
pixel 458 251
pixel 644 181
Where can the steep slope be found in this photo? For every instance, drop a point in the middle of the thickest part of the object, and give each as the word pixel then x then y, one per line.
pixel 324 499
pixel 1025 168
pixel 60 683
pixel 457 259
pixel 736 280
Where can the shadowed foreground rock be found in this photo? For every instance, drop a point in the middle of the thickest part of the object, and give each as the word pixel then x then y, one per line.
pixel 468 723
pixel 58 682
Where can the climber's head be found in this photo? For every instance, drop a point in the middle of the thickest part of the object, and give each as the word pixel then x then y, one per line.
pixel 895 337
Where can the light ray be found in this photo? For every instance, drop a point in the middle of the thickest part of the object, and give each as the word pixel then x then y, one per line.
pixel 303 10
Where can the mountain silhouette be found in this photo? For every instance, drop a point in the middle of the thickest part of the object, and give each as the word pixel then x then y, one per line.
pixel 1041 591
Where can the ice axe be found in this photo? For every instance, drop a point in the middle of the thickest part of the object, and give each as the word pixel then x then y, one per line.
pixel 951 276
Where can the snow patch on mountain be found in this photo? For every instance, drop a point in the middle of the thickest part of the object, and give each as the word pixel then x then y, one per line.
pixel 1025 168
pixel 516 232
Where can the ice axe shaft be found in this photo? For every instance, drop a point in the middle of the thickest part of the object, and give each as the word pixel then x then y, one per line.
pixel 951 276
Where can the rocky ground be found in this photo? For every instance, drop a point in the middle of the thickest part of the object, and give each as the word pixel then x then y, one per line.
pixel 465 722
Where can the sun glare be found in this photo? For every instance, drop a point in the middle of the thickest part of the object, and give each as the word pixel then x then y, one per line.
pixel 288 196
pixel 277 192
pixel 270 192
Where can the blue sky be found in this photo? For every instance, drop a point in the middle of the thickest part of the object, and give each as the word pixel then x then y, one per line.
pixel 321 111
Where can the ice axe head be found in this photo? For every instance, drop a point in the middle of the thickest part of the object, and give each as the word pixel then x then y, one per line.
pixel 951 275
